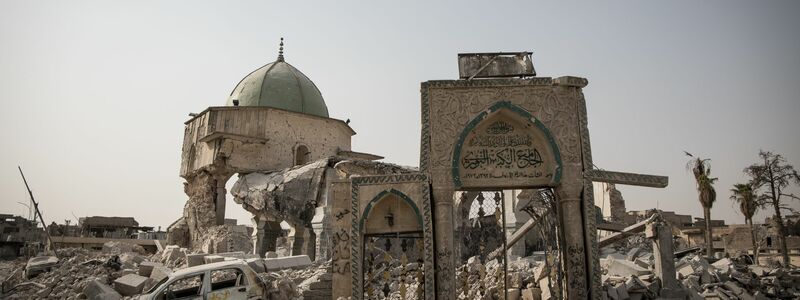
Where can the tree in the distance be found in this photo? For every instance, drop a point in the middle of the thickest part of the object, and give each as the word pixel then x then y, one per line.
pixel 772 175
pixel 743 194
pixel 701 168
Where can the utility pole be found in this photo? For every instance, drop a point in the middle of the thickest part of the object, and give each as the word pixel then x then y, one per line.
pixel 38 213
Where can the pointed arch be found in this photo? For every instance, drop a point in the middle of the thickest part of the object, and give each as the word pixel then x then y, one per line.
pixel 518 114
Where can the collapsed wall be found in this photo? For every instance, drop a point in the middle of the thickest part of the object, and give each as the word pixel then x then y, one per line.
pixel 296 195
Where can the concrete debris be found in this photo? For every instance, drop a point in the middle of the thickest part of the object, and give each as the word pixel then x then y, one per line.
pixel 130 284
pixel 527 279
pixel 220 239
pixel 146 268
pixel 622 268
pixel 195 259
pixel 117 273
pixel 297 261
pixel 97 290
pixel 725 278
pixel 122 247
pixel 69 280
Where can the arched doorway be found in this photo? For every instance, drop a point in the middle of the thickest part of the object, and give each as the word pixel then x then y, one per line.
pixel 393 248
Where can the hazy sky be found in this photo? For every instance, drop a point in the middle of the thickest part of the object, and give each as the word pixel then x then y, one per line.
pixel 94 94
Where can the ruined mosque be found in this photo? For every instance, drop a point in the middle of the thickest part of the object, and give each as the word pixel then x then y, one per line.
pixel 502 150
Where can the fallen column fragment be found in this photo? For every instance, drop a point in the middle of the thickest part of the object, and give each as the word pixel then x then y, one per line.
pixel 618 236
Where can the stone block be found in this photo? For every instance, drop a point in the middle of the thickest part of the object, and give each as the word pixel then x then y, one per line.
pixel 145 268
pixel 286 262
pixel 96 290
pixel 195 259
pixel 130 284
pixel 213 258
pixel 160 272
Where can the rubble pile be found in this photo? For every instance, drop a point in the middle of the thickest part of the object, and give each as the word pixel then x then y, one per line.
pixel 219 239
pixel 631 276
pixel 77 268
pixel 120 247
pixel 731 279
pixel 526 276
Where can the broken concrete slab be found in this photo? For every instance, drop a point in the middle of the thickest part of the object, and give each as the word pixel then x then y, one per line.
pixel 286 262
pixel 172 254
pixel 722 265
pixel 623 268
pixel 160 272
pixel 96 290
pixel 130 284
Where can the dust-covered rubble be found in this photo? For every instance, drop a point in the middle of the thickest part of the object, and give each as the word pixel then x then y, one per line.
pixel 122 271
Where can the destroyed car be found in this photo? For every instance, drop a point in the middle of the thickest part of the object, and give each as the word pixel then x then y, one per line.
pixel 40 264
pixel 222 280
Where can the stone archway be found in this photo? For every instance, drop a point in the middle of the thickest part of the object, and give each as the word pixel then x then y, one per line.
pixel 366 195
pixel 392 243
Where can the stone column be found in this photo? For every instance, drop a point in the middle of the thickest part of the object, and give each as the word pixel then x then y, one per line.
pixel 259 247
pixel 221 192
pixel 342 279
pixel 514 219
pixel 318 226
pixel 443 217
pixel 265 235
pixel 661 234
pixel 571 217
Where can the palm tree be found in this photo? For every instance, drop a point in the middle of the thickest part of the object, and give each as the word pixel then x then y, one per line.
pixel 701 168
pixel 743 194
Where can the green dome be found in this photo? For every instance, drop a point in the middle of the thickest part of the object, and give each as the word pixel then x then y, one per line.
pixel 280 85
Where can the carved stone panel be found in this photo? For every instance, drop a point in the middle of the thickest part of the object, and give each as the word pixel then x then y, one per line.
pixel 505 147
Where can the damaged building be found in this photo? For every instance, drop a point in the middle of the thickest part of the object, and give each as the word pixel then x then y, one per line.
pixel 275 134
pixel 485 163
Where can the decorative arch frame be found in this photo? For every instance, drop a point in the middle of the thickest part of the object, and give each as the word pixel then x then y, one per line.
pixel 391 185
pixel 382 195
pixel 518 112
